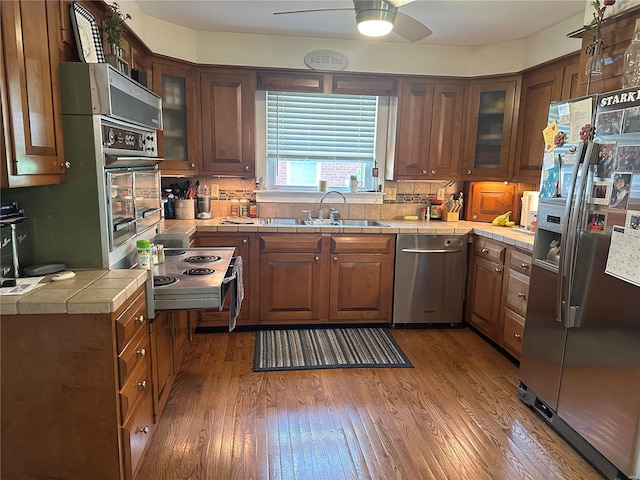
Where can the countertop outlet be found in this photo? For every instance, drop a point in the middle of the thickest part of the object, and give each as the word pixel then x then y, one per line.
pixel 440 194
pixel 390 193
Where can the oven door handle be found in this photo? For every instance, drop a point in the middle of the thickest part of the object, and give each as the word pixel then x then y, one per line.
pixel 229 279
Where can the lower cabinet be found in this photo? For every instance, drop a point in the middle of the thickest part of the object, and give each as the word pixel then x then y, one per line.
pixel 498 291
pixel 320 278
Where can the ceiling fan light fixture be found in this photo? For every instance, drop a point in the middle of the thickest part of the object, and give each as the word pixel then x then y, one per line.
pixel 375 23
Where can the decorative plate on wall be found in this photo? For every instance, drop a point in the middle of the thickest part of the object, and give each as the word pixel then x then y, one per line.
pixel 87 33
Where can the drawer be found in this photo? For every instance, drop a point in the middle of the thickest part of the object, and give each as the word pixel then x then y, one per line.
pixel 485 248
pixel 362 243
pixel 136 434
pixel 300 242
pixel 136 352
pixel 520 262
pixel 517 292
pixel 512 333
pixel 136 387
pixel 128 323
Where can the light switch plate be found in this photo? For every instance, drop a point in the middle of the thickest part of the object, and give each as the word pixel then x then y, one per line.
pixel 215 190
pixel 440 194
pixel 390 193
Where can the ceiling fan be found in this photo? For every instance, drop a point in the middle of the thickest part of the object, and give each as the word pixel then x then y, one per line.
pixel 376 18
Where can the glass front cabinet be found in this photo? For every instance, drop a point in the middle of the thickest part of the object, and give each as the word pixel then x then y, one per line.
pixel 491 130
pixel 175 82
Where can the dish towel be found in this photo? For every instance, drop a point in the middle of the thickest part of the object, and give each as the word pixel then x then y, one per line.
pixel 237 293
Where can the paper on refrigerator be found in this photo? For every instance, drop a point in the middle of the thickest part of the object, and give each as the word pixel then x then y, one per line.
pixel 623 261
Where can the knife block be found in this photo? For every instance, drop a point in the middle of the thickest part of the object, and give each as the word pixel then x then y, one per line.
pixel 448 216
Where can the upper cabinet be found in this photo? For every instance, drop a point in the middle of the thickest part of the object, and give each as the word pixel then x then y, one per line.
pixel 429 131
pixel 32 144
pixel 338 83
pixel 490 129
pixel 175 82
pixel 227 122
pixel 540 87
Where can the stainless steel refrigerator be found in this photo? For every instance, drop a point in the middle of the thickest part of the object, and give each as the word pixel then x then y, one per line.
pixel 580 364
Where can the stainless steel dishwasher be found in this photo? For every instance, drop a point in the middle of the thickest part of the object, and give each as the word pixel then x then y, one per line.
pixel 429 278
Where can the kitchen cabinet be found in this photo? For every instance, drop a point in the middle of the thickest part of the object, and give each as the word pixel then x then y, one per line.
pixel 515 300
pixel 429 131
pixel 540 87
pixel 162 364
pixel 178 142
pixel 491 129
pixel 227 122
pixel 77 386
pixel 314 82
pixel 326 278
pixel 31 108
pixel 245 244
pixel 486 277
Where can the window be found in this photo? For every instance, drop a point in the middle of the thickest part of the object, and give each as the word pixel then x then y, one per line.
pixel 311 137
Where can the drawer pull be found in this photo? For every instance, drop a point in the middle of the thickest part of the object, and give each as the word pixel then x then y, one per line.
pixel 520 294
pixel 144 430
pixel 524 266
pixel 245 241
pixel 140 319
pixel 517 335
pixel 335 259
pixel 317 258
pixel 498 270
pixel 141 352
pixel 485 250
pixel 142 384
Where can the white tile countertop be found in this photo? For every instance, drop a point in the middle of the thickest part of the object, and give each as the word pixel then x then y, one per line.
pixel 90 291
pixel 176 229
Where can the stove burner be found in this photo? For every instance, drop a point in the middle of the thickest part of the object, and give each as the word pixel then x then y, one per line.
pixel 162 280
pixel 202 258
pixel 173 253
pixel 199 271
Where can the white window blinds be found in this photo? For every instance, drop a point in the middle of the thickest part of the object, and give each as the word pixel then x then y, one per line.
pixel 320 127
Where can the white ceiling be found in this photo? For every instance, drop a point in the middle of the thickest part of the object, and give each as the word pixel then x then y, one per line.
pixel 453 22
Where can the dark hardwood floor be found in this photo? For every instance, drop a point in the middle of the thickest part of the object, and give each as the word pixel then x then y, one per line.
pixel 456 415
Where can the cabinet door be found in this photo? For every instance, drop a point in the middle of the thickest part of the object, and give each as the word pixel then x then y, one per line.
pixel 161 335
pixel 538 91
pixel 490 131
pixel 177 142
pixel 360 287
pixel 413 135
pixel 180 321
pixel 33 108
pixel 227 117
pixel 243 244
pixel 445 152
pixel 485 296
pixel 291 287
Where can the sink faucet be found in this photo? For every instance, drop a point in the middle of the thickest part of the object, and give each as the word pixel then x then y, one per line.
pixel 344 200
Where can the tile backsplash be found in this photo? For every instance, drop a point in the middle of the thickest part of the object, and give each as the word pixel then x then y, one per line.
pixel 410 197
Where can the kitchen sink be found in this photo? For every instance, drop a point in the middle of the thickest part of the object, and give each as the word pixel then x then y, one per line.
pixel 323 222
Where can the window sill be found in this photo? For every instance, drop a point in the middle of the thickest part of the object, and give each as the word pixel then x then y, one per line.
pixel 288 196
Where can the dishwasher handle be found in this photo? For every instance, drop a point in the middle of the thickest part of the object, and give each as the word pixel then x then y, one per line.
pixel 431 250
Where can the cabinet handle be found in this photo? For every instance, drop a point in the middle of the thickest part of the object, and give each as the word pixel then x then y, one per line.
pixel 317 258
pixel 245 241
pixel 433 172
pixel 520 294
pixel 335 259
pixel 468 172
pixel 424 172
pixel 66 165
pixel 517 335
pixel 140 319
pixel 142 384
pixel 141 352
pixel 524 266
pixel 485 250
pixel 192 165
pixel 498 270
pixel 144 430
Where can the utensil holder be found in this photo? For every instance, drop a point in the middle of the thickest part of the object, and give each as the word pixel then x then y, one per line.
pixel 448 216
pixel 185 209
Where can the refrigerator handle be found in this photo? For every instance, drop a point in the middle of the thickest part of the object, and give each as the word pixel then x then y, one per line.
pixel 574 231
pixel 564 239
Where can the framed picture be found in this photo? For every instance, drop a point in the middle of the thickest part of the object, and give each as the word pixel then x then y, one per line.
pixel 87 33
pixel 609 123
pixel 600 193
pixel 596 222
pixel 629 158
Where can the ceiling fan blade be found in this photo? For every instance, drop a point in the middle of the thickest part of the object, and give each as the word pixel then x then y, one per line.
pixel 410 28
pixel 312 10
pixel 399 3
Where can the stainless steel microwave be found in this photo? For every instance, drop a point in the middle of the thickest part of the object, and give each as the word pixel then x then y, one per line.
pixel 99 89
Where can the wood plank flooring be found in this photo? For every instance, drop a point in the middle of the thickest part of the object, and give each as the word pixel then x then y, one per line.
pixel 456 415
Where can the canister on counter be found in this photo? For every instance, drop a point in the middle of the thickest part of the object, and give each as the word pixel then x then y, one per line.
pixel 235 207
pixel 244 207
pixel 424 213
pixel 253 209
pixel 436 209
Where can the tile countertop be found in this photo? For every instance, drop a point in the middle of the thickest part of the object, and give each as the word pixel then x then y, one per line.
pixel 177 229
pixel 90 291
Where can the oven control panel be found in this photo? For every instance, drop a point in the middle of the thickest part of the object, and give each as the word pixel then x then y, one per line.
pixel 129 139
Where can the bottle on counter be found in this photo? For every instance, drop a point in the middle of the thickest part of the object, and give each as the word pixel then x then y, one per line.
pixel 436 209
pixel 244 207
pixel 534 224
pixel 253 209
pixel 235 207
pixel 144 254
